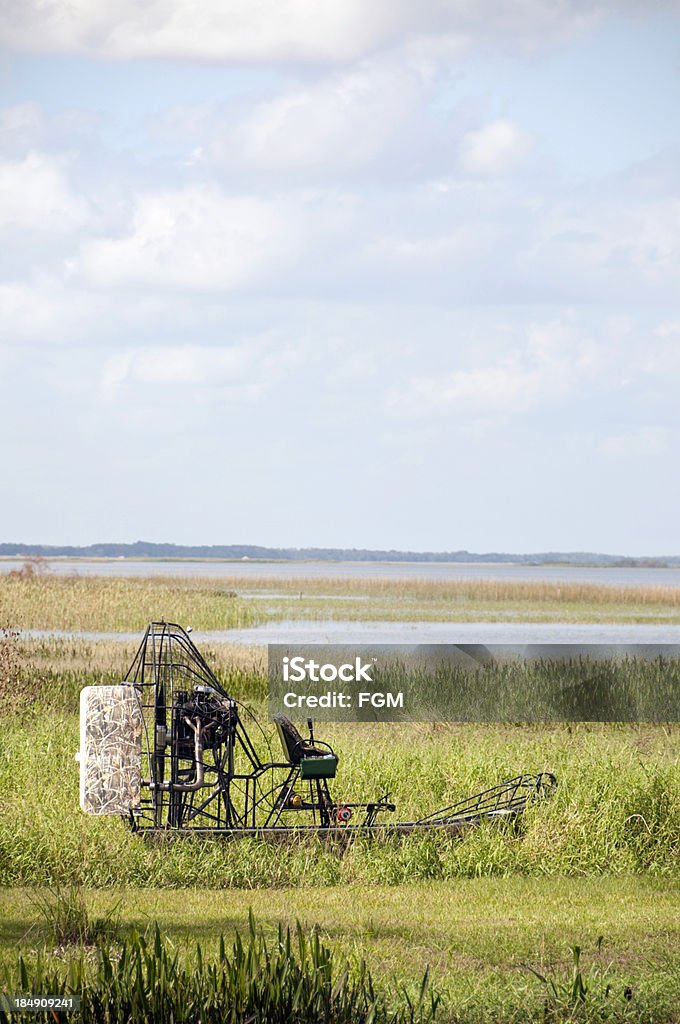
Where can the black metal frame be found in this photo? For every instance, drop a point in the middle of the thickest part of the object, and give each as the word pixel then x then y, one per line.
pixel 204 775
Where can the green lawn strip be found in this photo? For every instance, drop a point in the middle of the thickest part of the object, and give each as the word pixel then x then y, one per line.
pixel 476 936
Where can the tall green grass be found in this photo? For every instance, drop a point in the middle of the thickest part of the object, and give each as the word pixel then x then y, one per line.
pixel 580 688
pixel 67 919
pixel 616 810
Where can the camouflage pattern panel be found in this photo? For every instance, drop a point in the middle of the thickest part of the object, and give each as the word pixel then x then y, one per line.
pixel 110 749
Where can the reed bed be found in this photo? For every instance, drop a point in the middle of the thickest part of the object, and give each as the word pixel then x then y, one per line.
pixel 113 657
pixel 477 590
pixel 99 604
pixel 128 604
pixel 579 688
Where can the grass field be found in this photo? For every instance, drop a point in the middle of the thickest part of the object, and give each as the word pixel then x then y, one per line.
pixel 600 859
pixel 478 938
pixel 105 604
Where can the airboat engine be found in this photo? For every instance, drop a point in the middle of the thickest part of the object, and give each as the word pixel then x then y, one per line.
pixel 200 713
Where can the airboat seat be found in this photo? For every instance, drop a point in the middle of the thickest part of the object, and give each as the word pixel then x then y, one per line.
pixel 316 760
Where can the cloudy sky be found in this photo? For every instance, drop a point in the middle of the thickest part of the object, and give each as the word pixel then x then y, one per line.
pixel 331 272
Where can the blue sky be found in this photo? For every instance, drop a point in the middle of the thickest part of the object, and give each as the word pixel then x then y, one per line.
pixel 328 273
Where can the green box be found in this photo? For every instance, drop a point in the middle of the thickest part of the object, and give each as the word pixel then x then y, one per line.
pixel 318 767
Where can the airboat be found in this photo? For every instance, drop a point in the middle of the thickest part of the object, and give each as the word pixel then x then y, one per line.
pixel 171 751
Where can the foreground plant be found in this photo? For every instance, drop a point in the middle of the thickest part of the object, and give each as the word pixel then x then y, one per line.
pixel 294 980
pixel 586 996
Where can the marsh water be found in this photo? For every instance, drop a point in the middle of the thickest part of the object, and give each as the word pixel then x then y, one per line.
pixel 346 632
pixel 605 576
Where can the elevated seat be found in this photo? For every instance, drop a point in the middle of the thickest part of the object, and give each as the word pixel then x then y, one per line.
pixel 316 759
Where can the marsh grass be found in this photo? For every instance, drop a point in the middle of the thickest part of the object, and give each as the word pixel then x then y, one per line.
pixel 99 604
pixel 57 668
pixel 613 826
pixel 579 688
pixel 128 604
pixel 476 590
pixel 9 662
pixel 617 807
pixel 65 915
pixel 19 689
pixel 603 854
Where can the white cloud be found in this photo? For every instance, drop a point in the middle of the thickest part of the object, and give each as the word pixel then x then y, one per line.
pixel 554 360
pixel 35 194
pixel 317 127
pixel 20 126
pixel 660 357
pixel 184 365
pixel 42 310
pixel 245 370
pixel 669 329
pixel 240 30
pixel 458 247
pixel 195 238
pixel 641 441
pixel 340 122
pixel 28 126
pixel 603 244
pixel 494 149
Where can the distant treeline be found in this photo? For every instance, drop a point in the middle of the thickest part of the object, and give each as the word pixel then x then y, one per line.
pixel 147 549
